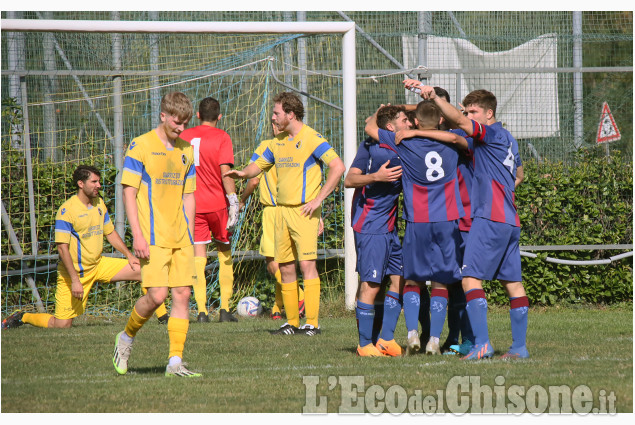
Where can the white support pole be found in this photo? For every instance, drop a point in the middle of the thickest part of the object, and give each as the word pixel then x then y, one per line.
pixel 578 114
pixel 350 148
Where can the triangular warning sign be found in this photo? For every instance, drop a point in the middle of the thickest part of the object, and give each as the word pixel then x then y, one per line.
pixel 607 130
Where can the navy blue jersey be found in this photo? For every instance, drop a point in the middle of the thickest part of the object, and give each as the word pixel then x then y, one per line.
pixel 495 162
pixel 374 208
pixel 430 186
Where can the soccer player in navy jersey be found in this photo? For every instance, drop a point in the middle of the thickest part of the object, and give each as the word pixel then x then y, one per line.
pixel 375 174
pixel 492 250
pixel 432 208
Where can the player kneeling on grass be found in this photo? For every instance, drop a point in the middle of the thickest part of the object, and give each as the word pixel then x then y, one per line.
pixel 80 226
pixel 376 176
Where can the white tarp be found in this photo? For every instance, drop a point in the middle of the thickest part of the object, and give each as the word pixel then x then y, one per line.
pixel 527 102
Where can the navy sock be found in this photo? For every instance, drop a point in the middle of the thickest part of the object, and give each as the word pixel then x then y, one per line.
pixel 477 311
pixel 377 323
pixel 519 307
pixel 424 314
pixel 365 314
pixel 411 306
pixel 392 310
pixel 438 308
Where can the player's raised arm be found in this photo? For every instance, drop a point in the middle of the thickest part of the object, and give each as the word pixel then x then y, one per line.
pixel 450 113
pixel 372 129
pixel 439 135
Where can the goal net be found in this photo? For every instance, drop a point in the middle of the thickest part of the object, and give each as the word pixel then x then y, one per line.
pixel 74 94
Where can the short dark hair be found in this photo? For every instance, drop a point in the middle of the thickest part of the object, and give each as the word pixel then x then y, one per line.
pixel 83 172
pixel 428 114
pixel 387 114
pixel 483 98
pixel 209 109
pixel 290 102
pixel 441 92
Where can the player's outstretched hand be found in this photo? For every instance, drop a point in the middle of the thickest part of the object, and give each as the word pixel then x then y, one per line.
pixel 385 174
pixel 428 93
pixel 235 174
pixel 234 210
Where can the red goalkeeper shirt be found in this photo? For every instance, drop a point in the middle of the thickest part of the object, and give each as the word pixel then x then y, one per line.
pixel 212 147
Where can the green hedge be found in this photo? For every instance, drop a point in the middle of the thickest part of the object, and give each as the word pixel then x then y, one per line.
pixel 590 202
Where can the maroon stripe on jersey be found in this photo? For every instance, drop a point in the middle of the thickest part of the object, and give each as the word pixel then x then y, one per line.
pixel 515 209
pixel 411 288
pixel 479 131
pixel 391 220
pixel 385 146
pixel 498 202
pixel 519 302
pixel 465 222
pixel 420 204
pixel 450 200
pixel 474 294
pixel 437 292
pixel 360 223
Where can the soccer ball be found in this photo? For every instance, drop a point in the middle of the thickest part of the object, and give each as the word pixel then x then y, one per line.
pixel 249 307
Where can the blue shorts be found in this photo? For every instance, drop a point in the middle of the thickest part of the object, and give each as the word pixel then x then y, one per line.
pixel 377 256
pixel 492 251
pixel 464 236
pixel 431 251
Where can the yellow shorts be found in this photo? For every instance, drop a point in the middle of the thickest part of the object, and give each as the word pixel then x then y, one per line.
pixel 296 235
pixel 69 307
pixel 267 247
pixel 169 267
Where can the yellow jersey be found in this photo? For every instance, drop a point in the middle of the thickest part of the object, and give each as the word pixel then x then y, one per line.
pixel 162 177
pixel 268 179
pixel 298 162
pixel 83 229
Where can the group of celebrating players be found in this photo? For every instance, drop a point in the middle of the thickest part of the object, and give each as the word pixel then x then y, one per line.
pixel 457 173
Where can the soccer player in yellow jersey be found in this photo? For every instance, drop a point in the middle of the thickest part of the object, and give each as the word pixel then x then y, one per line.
pixel 267 186
pixel 159 180
pixel 80 226
pixel 297 152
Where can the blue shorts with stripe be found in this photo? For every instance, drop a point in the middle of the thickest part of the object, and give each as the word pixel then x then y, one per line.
pixel 378 255
pixel 431 251
pixel 492 251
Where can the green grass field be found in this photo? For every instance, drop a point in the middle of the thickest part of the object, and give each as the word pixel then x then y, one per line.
pixel 247 370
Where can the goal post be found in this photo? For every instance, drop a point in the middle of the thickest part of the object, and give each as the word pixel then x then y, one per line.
pixel 349 102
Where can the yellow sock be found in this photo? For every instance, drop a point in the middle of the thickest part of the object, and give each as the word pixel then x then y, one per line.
pixel 225 277
pixel 277 307
pixel 200 289
pixel 312 300
pixel 161 310
pixel 177 332
pixel 41 320
pixel 290 300
pixel 135 322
